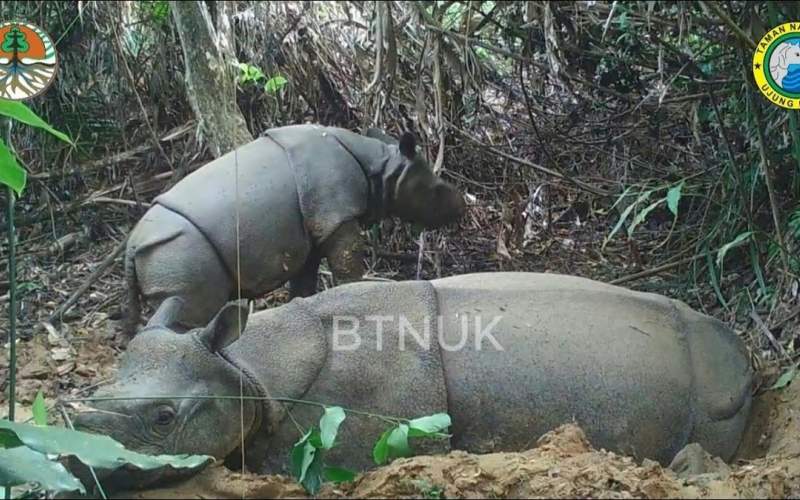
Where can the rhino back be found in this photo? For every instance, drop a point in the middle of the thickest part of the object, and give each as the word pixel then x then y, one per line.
pixel 616 361
pixel 271 238
pixel 332 182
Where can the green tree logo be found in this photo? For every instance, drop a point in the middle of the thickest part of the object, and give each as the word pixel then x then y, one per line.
pixel 28 61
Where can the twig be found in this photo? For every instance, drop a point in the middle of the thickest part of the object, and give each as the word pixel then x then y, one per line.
pixel 104 199
pixel 654 270
pixel 772 340
pixel 99 271
pixel 776 218
pixel 545 170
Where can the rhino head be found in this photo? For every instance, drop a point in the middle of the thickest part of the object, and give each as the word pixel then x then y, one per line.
pixel 413 192
pixel 162 397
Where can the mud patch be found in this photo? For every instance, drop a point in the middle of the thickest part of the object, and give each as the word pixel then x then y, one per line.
pixel 562 465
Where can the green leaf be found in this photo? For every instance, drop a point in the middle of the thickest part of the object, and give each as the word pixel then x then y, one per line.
pixel 23 114
pixel 430 426
pixel 275 83
pixel 785 379
pixel 94 450
pixel 642 215
pixel 380 452
pixel 298 456
pixel 11 174
pixel 398 441
pixel 338 475
pixel 329 425
pixel 674 197
pixel 733 244
pixel 24 466
pixel 39 410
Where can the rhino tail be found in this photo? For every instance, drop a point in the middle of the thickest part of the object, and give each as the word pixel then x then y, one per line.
pixel 134 303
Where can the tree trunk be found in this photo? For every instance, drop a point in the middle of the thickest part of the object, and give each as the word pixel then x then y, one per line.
pixel 209 77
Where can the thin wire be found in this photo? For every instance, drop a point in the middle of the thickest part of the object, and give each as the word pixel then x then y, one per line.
pixel 239 313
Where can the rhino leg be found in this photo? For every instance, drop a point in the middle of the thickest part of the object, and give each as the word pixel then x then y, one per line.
pixel 344 250
pixel 186 267
pixel 304 283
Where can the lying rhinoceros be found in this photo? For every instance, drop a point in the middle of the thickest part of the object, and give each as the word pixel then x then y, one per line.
pixel 268 212
pixel 509 356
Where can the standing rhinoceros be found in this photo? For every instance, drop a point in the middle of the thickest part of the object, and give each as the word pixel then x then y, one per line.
pixel 269 211
pixel 509 356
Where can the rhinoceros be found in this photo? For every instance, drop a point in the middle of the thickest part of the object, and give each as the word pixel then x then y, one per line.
pixel 269 211
pixel 509 356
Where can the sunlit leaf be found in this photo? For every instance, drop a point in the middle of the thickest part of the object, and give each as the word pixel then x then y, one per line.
pixel 22 465
pixel 430 426
pixel 329 425
pixel 39 410
pixel 92 449
pixel 739 240
pixel 674 198
pixel 11 174
pixel 785 379
pixel 23 114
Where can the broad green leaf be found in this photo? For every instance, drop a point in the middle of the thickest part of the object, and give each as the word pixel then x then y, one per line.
pixel 92 449
pixel 338 475
pixel 39 410
pixel 22 465
pixel 785 379
pixel 430 426
pixel 275 83
pixel 733 244
pixel 329 425
pixel 642 215
pixel 398 441
pixel 380 452
pixel 22 113
pixel 11 174
pixel 674 197
pixel 298 456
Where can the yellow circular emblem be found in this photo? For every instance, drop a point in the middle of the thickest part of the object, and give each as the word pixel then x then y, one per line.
pixel 28 61
pixel 776 65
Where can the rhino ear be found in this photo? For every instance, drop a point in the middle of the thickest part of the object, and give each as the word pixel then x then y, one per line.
pixel 408 145
pixel 226 326
pixel 167 313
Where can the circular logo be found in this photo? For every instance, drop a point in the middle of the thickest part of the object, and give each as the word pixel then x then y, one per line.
pixel 28 61
pixel 776 65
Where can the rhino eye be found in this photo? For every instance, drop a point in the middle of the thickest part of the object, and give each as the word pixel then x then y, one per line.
pixel 165 415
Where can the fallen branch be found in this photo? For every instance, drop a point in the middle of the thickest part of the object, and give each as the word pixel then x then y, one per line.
pixel 655 270
pixel 96 274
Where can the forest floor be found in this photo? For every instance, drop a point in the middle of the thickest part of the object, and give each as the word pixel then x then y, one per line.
pixel 70 359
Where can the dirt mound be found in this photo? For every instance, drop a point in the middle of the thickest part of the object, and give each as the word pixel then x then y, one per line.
pixel 562 465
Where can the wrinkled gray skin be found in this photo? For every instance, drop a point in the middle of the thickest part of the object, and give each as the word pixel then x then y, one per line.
pixel 302 191
pixel 642 374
